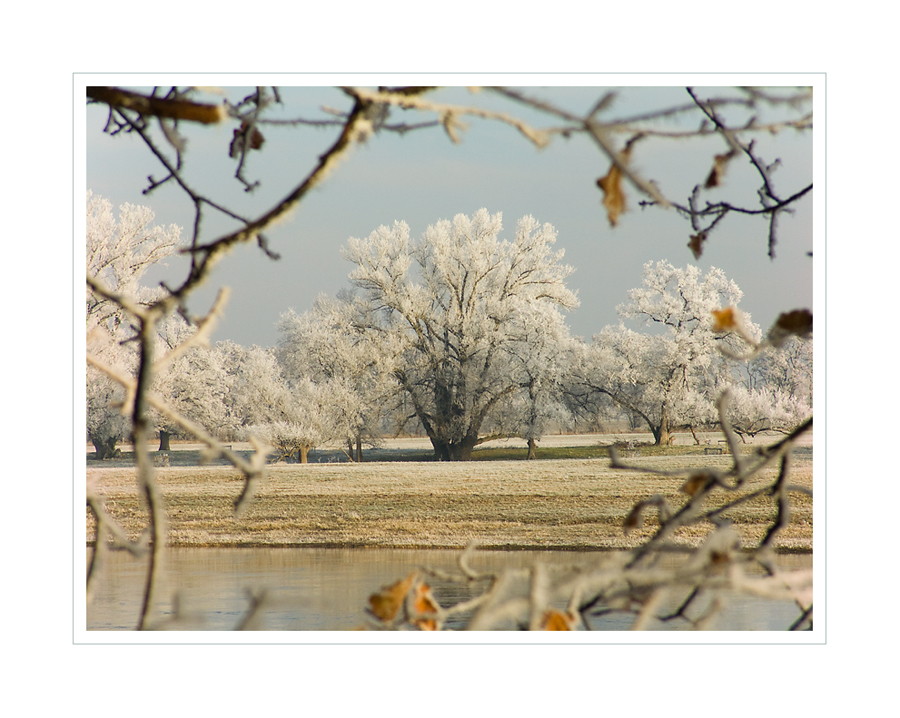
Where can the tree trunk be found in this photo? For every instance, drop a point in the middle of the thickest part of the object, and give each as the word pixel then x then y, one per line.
pixel 661 433
pixel 441 450
pixel 531 449
pixel 303 454
pixel 164 437
pixel 460 452
pixel 450 451
pixel 105 448
pixel 454 450
pixel 359 457
pixel 662 436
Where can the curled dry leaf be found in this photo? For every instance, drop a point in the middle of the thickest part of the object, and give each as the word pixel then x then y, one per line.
pixel 248 136
pixel 694 483
pixel 554 620
pixel 635 518
pixel 613 197
pixel 724 319
pixel 718 171
pixel 256 139
pixel 796 323
pixel 425 605
pixel 387 603
pixel 611 184
pixel 696 244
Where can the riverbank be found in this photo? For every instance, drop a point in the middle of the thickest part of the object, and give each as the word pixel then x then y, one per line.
pixel 550 504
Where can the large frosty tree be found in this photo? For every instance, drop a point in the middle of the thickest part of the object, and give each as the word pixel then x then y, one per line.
pixel 452 305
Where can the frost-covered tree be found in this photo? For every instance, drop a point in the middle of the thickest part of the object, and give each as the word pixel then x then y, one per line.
pixel 775 391
pixel 669 377
pixel 290 416
pixel 450 307
pixel 787 369
pixel 303 419
pixel 540 354
pixel 753 411
pixel 194 382
pixel 106 424
pixel 326 345
pixel 119 251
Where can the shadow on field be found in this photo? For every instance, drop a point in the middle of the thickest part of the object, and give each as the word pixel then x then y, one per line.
pixel 194 457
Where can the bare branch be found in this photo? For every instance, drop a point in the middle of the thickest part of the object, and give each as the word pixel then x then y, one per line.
pixel 158 107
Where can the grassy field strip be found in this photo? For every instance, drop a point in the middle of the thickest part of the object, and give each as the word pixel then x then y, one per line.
pixel 509 504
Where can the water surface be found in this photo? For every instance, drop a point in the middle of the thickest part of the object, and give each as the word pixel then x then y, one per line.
pixel 320 589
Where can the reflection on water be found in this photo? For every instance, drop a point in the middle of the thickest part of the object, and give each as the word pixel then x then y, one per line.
pixel 327 589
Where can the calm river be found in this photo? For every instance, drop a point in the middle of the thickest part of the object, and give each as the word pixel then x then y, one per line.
pixel 328 589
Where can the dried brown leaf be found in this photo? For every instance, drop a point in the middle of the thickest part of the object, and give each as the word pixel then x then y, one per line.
pixel 424 604
pixel 724 319
pixel 387 603
pixel 696 244
pixel 718 171
pixel 554 620
pixel 611 184
pixel 635 518
pixel 694 483
pixel 796 323
pixel 613 197
pixel 248 136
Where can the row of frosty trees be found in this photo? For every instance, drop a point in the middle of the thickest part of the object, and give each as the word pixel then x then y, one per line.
pixel 459 334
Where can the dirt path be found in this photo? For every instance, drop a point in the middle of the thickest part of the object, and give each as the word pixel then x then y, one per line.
pixel 575 504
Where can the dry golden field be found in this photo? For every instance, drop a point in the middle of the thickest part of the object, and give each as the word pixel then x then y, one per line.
pixel 567 503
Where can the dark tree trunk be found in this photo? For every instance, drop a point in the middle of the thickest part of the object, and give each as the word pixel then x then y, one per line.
pixel 450 451
pixel 462 451
pixel 164 437
pixel 661 432
pixel 441 450
pixel 105 448
pixel 532 445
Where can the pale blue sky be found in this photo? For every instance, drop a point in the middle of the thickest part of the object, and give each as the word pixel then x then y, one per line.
pixel 423 177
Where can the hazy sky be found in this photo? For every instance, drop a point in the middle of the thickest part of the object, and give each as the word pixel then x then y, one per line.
pixel 422 177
